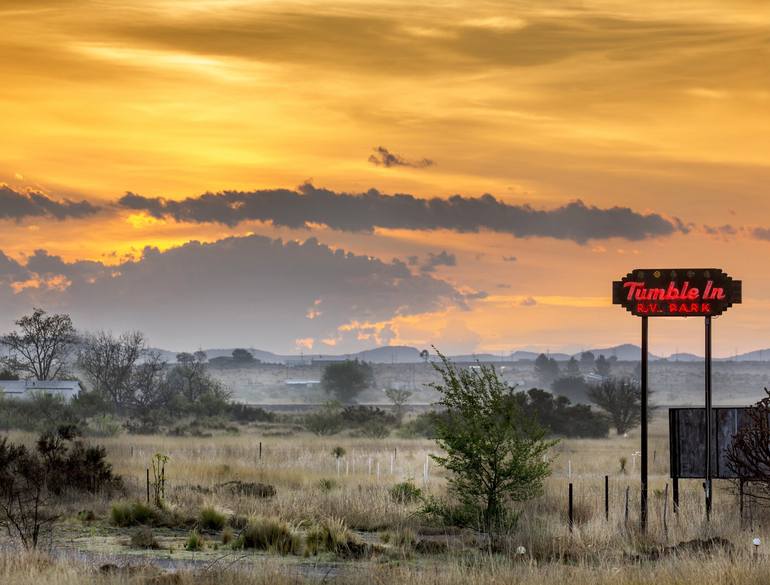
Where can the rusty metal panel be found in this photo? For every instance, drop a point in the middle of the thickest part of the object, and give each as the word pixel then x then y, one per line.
pixel 687 438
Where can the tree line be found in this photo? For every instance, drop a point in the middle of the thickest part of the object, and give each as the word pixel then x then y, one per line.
pixel 122 375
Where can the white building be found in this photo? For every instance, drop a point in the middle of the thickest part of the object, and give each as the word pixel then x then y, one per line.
pixel 26 389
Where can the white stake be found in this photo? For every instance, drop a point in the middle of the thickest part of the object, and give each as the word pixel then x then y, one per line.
pixel 370 465
pixel 347 467
pixel 569 468
pixel 338 467
pixel 378 471
pixel 391 465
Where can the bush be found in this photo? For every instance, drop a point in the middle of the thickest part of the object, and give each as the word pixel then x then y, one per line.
pixel 559 416
pixel 270 534
pixel 143 538
pixel 194 542
pixel 327 421
pixel 465 515
pixel 211 519
pixel 327 485
pixel 74 465
pixel 247 413
pixel 405 493
pixel 423 425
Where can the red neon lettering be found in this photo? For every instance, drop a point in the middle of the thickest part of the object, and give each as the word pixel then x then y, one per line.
pixel 637 291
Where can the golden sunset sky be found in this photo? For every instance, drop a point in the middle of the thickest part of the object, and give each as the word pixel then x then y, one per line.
pixel 662 108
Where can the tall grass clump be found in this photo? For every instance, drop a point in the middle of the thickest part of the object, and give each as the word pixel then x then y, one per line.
pixel 194 542
pixel 131 514
pixel 210 518
pixel 270 534
pixel 332 535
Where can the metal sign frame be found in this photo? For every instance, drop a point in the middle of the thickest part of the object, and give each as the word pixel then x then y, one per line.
pixel 675 292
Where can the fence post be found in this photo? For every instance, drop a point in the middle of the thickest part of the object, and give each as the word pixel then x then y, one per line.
pixel 148 485
pixel 260 450
pixel 570 512
pixel 607 498
pixel 675 482
pixel 665 512
pixel 626 504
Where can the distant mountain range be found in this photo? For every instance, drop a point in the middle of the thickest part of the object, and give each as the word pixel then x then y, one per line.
pixel 400 354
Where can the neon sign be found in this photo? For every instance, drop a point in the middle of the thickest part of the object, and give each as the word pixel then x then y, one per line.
pixel 688 292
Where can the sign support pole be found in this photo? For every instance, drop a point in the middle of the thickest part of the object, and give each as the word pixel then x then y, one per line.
pixel 643 466
pixel 708 417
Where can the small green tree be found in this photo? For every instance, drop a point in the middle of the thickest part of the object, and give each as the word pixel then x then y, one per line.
pixel 346 380
pixel 573 368
pixel 546 370
pixel 603 366
pixel 494 453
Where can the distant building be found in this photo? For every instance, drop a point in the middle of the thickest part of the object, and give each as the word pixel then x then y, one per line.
pixel 302 383
pixel 26 389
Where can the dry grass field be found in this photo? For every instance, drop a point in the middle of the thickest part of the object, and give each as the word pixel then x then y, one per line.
pixel 313 487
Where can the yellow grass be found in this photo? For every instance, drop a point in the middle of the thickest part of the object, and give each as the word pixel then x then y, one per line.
pixel 597 551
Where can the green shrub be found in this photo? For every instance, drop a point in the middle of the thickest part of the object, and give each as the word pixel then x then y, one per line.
pixel 270 534
pixel 211 519
pixel 327 485
pixel 465 515
pixel 194 542
pixel 86 516
pixel 405 493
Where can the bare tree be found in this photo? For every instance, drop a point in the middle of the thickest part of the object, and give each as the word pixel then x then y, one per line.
pixel 42 344
pixel 749 454
pixel 621 399
pixel 150 389
pixel 399 398
pixel 108 363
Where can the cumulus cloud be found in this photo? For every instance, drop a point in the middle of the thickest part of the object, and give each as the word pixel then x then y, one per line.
pixel 241 290
pixel 18 206
pixel 384 158
pixel 365 212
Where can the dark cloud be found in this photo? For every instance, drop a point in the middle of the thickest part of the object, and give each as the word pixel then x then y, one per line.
pixel 509 258
pixel 241 290
pixel 720 230
pixel 528 302
pixel 18 206
pixel 761 233
pixel 383 157
pixel 574 221
pixel 443 258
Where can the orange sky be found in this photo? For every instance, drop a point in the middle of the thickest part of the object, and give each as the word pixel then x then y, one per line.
pixel 643 105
